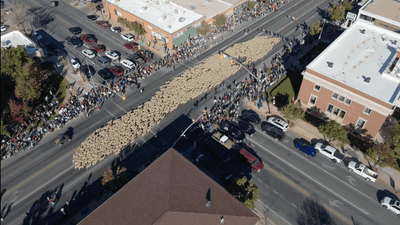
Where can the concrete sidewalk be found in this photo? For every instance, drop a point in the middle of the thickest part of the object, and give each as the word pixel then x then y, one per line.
pixel 387 175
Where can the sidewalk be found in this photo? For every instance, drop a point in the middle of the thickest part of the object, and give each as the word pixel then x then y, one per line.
pixel 387 175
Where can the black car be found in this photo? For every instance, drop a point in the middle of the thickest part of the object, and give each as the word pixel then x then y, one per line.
pixel 273 131
pixel 246 127
pixel 75 41
pixel 92 17
pixel 75 30
pixel 136 58
pixel 229 129
pixel 88 70
pixel 251 116
pixel 204 161
pixel 106 74
pixel 216 151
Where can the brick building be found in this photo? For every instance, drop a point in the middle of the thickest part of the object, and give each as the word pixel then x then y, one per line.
pixel 356 79
pixel 168 21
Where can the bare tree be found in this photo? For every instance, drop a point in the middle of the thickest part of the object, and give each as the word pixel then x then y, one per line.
pixel 40 17
pixel 313 213
pixel 17 13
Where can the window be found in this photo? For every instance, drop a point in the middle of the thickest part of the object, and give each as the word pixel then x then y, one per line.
pixel 341 98
pixel 117 13
pixel 342 114
pixel 336 111
pixel 330 108
pixel 317 87
pixel 361 123
pixel 347 101
pixel 367 111
pixel 313 100
pixel 335 95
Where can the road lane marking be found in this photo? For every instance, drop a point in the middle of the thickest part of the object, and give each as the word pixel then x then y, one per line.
pixel 294 205
pixel 309 177
pixel 274 212
pixel 119 107
pixel 110 113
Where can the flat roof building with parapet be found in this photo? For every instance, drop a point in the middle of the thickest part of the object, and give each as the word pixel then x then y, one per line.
pixel 356 79
pixel 15 39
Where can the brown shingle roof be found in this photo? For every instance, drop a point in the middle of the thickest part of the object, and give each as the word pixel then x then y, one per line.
pixel 171 191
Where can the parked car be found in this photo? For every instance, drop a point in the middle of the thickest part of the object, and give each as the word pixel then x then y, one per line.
pixel 75 30
pixel 391 204
pixel 278 122
pixel 104 60
pixel 141 54
pixel 116 70
pixel 273 131
pixel 89 53
pixel 75 63
pixel 104 23
pixel 204 161
pixel 251 116
pixel 228 129
pixel 112 55
pixel 304 146
pixel 128 63
pixel 88 70
pixel 131 46
pixel 255 163
pixel 75 41
pixel 92 17
pixel 217 152
pixel 362 170
pixel 53 3
pixel 329 152
pixel 3 28
pixel 88 39
pixel 246 127
pixel 105 74
pixel 116 30
pixel 128 37
pixel 99 48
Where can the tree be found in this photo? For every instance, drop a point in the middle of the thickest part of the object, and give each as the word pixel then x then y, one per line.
pixel 27 87
pixel 15 110
pixel 12 59
pixel 18 13
pixel 383 154
pixel 92 6
pixel 333 131
pixel 292 112
pixel 313 213
pixel 245 191
pixel 251 5
pixel 315 28
pixel 114 180
pixel 205 28
pixel 139 30
pixel 337 12
pixel 4 129
pixel 219 20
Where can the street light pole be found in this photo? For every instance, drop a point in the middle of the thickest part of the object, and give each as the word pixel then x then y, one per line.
pixel 321 30
pixel 183 133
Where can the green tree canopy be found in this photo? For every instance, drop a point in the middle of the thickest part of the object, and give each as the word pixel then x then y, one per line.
pixel 205 28
pixel 12 60
pixel 219 20
pixel 251 5
pixel 115 180
pixel 315 28
pixel 337 13
pixel 333 131
pixel 92 6
pixel 292 112
pixel 4 129
pixel 384 154
pixel 245 191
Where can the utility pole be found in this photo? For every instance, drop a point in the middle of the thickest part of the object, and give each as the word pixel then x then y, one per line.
pixel 321 30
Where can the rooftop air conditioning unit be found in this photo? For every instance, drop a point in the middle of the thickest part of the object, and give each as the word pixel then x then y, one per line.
pixel 169 26
pixel 330 64
pixel 363 31
pixel 163 17
pixel 144 8
pixel 367 80
pixel 176 11
pixel 192 7
pixel 181 19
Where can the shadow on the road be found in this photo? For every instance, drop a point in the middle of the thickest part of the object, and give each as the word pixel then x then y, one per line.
pixel 313 212
pixel 385 193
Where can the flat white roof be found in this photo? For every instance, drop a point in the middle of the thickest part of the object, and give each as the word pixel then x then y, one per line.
pixel 386 8
pixel 16 38
pixel 203 7
pixel 164 14
pixel 357 57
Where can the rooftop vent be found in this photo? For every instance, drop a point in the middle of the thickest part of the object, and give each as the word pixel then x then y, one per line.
pixel 208 0
pixel 367 80
pixel 362 31
pixel 192 7
pixel 208 204
pixel 181 19
pixel 163 17
pixel 144 8
pixel 330 64
pixel 169 26
pixel 222 220
pixel 176 11
pixel 395 42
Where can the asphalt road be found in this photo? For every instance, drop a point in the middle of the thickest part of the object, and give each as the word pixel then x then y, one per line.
pixel 30 176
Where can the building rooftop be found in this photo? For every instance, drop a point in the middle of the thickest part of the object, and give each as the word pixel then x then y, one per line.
pixel 361 58
pixel 164 14
pixel 16 38
pixel 386 8
pixel 171 191
pixel 203 7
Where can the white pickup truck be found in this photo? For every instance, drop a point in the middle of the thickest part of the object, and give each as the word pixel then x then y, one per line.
pixel 362 170
pixel 223 139
pixel 391 204
pixel 329 152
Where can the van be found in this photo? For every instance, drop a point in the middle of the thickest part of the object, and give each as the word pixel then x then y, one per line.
pixel 103 60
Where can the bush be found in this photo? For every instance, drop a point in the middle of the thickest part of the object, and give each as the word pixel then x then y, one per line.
pixel 251 5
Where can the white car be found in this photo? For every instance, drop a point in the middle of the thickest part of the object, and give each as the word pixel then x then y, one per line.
pixel 89 53
pixel 116 29
pixel 128 37
pixel 128 63
pixel 391 204
pixel 3 28
pixel 75 64
pixel 112 55
pixel 278 122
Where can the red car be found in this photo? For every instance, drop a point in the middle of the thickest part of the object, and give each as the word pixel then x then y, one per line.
pixel 131 46
pixel 86 38
pixel 255 163
pixel 117 71
pixel 104 24
pixel 142 55
pixel 99 48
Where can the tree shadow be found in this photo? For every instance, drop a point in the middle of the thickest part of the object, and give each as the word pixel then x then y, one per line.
pixel 41 17
pixel 312 212
pixel 281 100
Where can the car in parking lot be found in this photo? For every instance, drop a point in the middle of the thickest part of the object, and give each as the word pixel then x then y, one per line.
pixel 246 127
pixel 89 53
pixel 3 28
pixel 131 46
pixel 128 37
pixel 116 30
pixel 88 39
pixel 128 63
pixel 251 116
pixel 92 17
pixel 278 122
pixel 75 41
pixel 103 23
pixel 273 131
pixel 112 55
pixel 75 63
pixel 103 60
pixel 105 74
pixel 141 54
pixel 391 204
pixel 99 48
pixel 116 70
pixel 232 131
pixel 304 146
pixel 75 30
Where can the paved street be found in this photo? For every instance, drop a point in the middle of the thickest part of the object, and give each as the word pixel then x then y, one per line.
pixel 31 176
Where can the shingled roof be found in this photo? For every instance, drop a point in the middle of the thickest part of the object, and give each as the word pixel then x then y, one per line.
pixel 171 191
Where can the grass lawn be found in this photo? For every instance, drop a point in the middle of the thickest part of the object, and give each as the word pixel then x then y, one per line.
pixel 286 88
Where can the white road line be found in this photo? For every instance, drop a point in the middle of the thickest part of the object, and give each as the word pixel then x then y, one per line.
pixel 274 212
pixel 119 107
pixel 294 205
pixel 304 174
pixel 275 192
pixel 95 124
pixel 185 65
pixel 330 174
pixel 110 113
